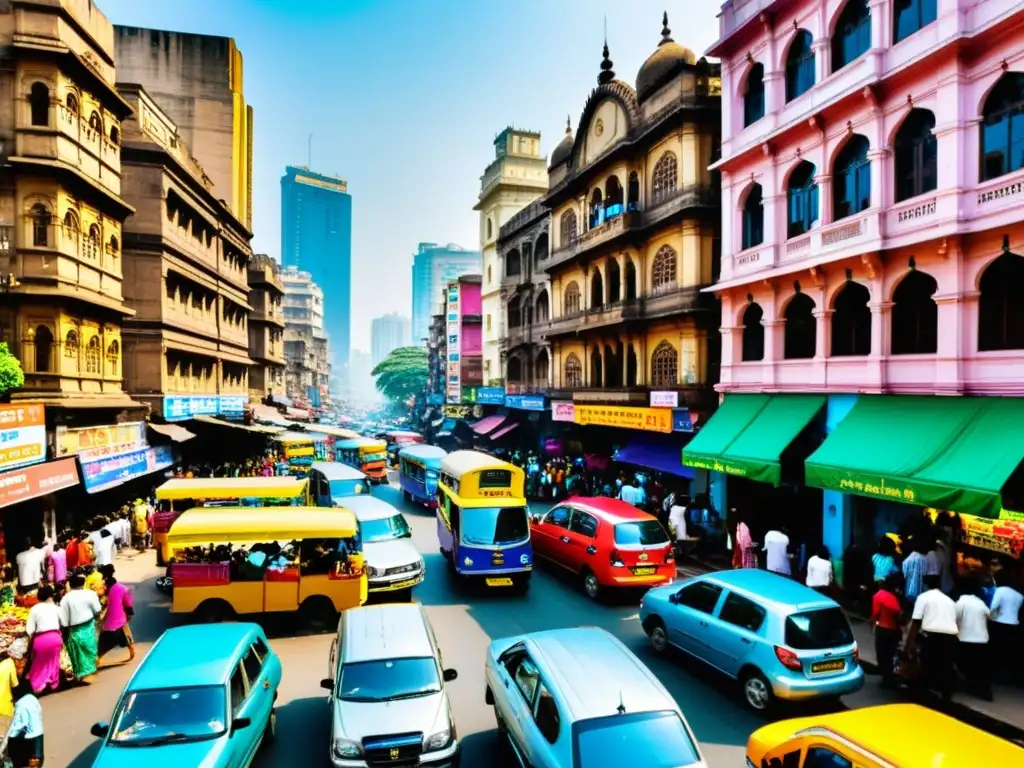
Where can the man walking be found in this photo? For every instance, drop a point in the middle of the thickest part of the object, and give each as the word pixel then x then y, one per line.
pixel 887 619
pixel 935 616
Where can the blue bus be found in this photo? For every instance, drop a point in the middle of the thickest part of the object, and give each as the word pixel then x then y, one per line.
pixel 418 467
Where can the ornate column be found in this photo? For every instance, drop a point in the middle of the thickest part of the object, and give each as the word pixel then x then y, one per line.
pixel 773 349
pixel 957 316
pixel 825 212
pixel 823 319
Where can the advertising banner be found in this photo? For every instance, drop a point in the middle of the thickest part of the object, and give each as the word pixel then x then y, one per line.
pixel 38 480
pixel 563 410
pixel 664 399
pixel 232 403
pixel 22 435
pixel 106 473
pixel 94 443
pixel 525 402
pixel 681 420
pixel 453 386
pixel 647 419
pixel 187 406
pixel 490 395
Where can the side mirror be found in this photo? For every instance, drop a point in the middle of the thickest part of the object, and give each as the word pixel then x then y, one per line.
pixel 327 684
pixel 673 598
pixel 535 518
pixel 100 730
pixel 449 675
pixel 239 723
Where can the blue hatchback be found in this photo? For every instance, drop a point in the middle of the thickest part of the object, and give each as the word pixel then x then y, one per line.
pixel 780 639
pixel 203 696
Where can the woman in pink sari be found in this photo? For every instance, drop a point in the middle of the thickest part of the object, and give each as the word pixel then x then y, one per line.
pixel 746 546
pixel 43 629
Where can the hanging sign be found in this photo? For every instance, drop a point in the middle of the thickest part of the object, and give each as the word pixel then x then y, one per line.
pixel 646 419
pixel 22 435
pixel 453 386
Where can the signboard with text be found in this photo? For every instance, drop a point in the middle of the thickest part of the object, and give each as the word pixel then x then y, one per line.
pixel 646 419
pixel 563 410
pixel 453 381
pixel 525 402
pixel 490 395
pixel 22 435
pixel 664 399
pixel 178 407
pixel 106 473
pixel 97 442
pixel 38 480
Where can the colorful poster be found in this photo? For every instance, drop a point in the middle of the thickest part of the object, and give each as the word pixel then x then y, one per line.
pixel 30 482
pixel 647 419
pixel 563 410
pixel 95 443
pixel 453 386
pixel 22 435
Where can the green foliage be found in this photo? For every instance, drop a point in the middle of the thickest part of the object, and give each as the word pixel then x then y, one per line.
pixel 11 375
pixel 402 374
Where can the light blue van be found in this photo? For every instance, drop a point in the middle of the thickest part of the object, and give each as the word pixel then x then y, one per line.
pixel 418 467
pixel 330 481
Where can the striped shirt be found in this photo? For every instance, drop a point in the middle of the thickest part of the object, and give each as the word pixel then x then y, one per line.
pixel 913 575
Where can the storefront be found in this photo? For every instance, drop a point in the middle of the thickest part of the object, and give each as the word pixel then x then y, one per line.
pixel 27 501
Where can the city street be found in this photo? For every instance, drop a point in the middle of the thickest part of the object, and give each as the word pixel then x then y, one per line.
pixel 464 624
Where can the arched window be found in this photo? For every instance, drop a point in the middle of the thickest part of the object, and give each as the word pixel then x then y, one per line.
pixel 569 229
pixel 596 290
pixel 852 36
pixel 909 16
pixel 631 366
pixel 490 229
pixel 114 246
pixel 515 369
pixel 512 263
pixel 613 205
pixel 71 102
pixel 851 179
pixel 664 365
pixel 753 95
pixel 663 270
pixel 115 135
pixel 71 345
pixel 93 354
pixel 44 349
pixel 1001 305
pixel 630 280
pixel 916 155
pixel 633 193
pixel 851 321
pixel 1002 129
pixel 611 268
pixel 40 216
pixel 665 178
pixel 113 355
pixel 541 368
pixel 799 65
pixel 753 333
pixel 39 103
pixel 94 241
pixel 596 367
pixel 573 372
pixel 95 123
pixel 802 195
pixel 571 299
pixel 801 331
pixel 753 218
pixel 542 308
pixel 540 249
pixel 596 209
pixel 915 316
pixel 513 315
pixel 71 222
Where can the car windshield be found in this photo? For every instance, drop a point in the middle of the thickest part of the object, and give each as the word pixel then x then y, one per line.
pixel 385 529
pixel 642 533
pixel 814 630
pixel 650 739
pixel 494 526
pixel 170 714
pixel 388 680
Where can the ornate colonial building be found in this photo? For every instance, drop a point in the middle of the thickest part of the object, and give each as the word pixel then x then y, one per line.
pixel 635 236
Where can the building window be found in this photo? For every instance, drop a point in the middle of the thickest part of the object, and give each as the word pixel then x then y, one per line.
pixel 633 193
pixel 753 95
pixel 1002 128
pixel 596 367
pixel 71 223
pixel 93 353
pixel 851 321
pixel 630 280
pixel 513 264
pixel 490 275
pixel 663 270
pixel 515 369
pixel 916 155
pixel 542 311
pixel 665 178
pixel 799 65
pixel 573 372
pixel 39 103
pixel 801 330
pixel 540 250
pixel 571 299
pixel 596 290
pixel 915 316
pixel 852 36
pixel 541 368
pixel 95 123
pixel 851 179
pixel 1001 305
pixel 115 135
pixel 802 213
pixel 664 365
pixel 114 246
pixel 44 349
pixel 40 216
pixel 490 229
pixel 613 204
pixel 753 218
pixel 596 210
pixel 71 101
pixel 71 346
pixel 753 333
pixel 93 245
pixel 569 229
pixel 909 16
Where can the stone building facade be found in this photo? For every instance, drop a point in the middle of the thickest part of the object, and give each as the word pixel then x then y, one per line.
pixel 266 327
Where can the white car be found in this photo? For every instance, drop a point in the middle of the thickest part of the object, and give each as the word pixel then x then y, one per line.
pixel 393 564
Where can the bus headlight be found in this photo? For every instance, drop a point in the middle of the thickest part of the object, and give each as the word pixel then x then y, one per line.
pixel 346 748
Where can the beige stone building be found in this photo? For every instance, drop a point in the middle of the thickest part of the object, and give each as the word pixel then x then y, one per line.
pixel 185 266
pixel 62 209
pixel 306 349
pixel 266 328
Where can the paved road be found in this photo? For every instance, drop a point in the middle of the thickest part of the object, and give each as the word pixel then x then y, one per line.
pixel 464 624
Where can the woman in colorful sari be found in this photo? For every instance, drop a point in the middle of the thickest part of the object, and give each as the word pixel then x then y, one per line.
pixel 746 545
pixel 43 629
pixel 78 613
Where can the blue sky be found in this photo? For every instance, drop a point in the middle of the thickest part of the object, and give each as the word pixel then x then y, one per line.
pixel 404 98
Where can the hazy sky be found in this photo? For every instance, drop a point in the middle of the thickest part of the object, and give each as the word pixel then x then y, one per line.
pixel 404 98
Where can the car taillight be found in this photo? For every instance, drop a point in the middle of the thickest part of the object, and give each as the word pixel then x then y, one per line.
pixel 616 559
pixel 788 659
pixel 856 654
pixel 669 557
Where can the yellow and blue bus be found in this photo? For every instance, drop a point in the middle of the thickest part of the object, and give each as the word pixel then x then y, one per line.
pixel 483 524
pixel 366 454
pixel 418 468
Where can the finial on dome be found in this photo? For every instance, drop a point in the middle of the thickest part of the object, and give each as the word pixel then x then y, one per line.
pixel 568 125
pixel 607 73
pixel 666 33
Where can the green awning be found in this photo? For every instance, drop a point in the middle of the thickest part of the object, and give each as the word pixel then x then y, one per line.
pixel 945 452
pixel 748 434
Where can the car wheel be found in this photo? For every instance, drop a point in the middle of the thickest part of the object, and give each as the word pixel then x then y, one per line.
pixel 658 635
pixel 270 732
pixel 317 613
pixel 591 585
pixel 757 692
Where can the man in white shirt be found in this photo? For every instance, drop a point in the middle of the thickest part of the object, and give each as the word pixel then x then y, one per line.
pixel 30 563
pixel 819 571
pixel 776 544
pixel 677 519
pixel 630 493
pixel 972 630
pixel 1006 632
pixel 104 547
pixel 935 616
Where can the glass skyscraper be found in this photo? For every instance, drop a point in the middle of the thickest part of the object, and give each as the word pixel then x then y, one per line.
pixel 316 237
pixel 433 266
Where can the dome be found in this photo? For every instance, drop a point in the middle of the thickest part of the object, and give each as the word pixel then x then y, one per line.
pixel 562 152
pixel 663 64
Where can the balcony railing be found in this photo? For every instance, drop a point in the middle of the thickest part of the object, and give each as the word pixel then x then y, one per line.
pixel 668 302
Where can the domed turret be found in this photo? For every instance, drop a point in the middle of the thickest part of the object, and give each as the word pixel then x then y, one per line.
pixel 564 148
pixel 664 64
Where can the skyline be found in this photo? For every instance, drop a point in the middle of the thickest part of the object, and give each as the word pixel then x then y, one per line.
pixel 408 189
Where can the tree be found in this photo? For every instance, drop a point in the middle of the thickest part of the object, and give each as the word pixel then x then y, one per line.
pixel 11 375
pixel 402 374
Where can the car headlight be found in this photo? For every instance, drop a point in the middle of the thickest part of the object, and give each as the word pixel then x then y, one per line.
pixel 439 740
pixel 346 748
pixel 371 571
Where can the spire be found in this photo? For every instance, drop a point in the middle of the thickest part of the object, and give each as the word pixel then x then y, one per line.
pixel 666 33
pixel 568 125
pixel 607 73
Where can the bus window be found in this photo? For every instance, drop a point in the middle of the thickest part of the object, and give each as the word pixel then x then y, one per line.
pixel 496 478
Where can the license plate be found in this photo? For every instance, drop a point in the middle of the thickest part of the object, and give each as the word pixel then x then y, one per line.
pixel 498 582
pixel 828 666
pixel 403 584
pixel 647 570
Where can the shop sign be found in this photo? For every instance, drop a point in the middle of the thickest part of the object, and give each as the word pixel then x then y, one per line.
pixel 187 406
pixel 646 419
pixel 22 435
pixel 93 443
pixel 39 480
pixel 664 399
pixel 454 329
pixel 1003 536
pixel 159 458
pixel 714 465
pixel 903 493
pixel 1006 514
pixel 525 402
pixel 232 403
pixel 681 420
pixel 563 410
pixel 457 411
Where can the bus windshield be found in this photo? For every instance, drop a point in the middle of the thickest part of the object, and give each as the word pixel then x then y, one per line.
pixel 494 526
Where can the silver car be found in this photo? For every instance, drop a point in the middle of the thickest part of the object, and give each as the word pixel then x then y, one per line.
pixel 388 700
pixel 578 698
pixel 393 564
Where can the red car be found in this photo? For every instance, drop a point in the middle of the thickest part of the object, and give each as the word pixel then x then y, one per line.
pixel 608 542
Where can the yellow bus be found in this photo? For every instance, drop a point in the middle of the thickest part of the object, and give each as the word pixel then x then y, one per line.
pixel 483 523
pixel 365 454
pixel 176 496
pixel 243 561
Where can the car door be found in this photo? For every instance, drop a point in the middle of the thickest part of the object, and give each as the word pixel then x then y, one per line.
pixel 520 680
pixel 547 534
pixel 545 730
pixel 688 623
pixel 240 747
pixel 260 686
pixel 733 632
pixel 581 548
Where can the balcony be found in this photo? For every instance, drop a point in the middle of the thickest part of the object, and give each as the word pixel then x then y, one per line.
pixel 189 317
pixel 263 273
pixel 671 300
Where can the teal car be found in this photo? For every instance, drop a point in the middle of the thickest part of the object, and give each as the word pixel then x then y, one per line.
pixel 204 696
